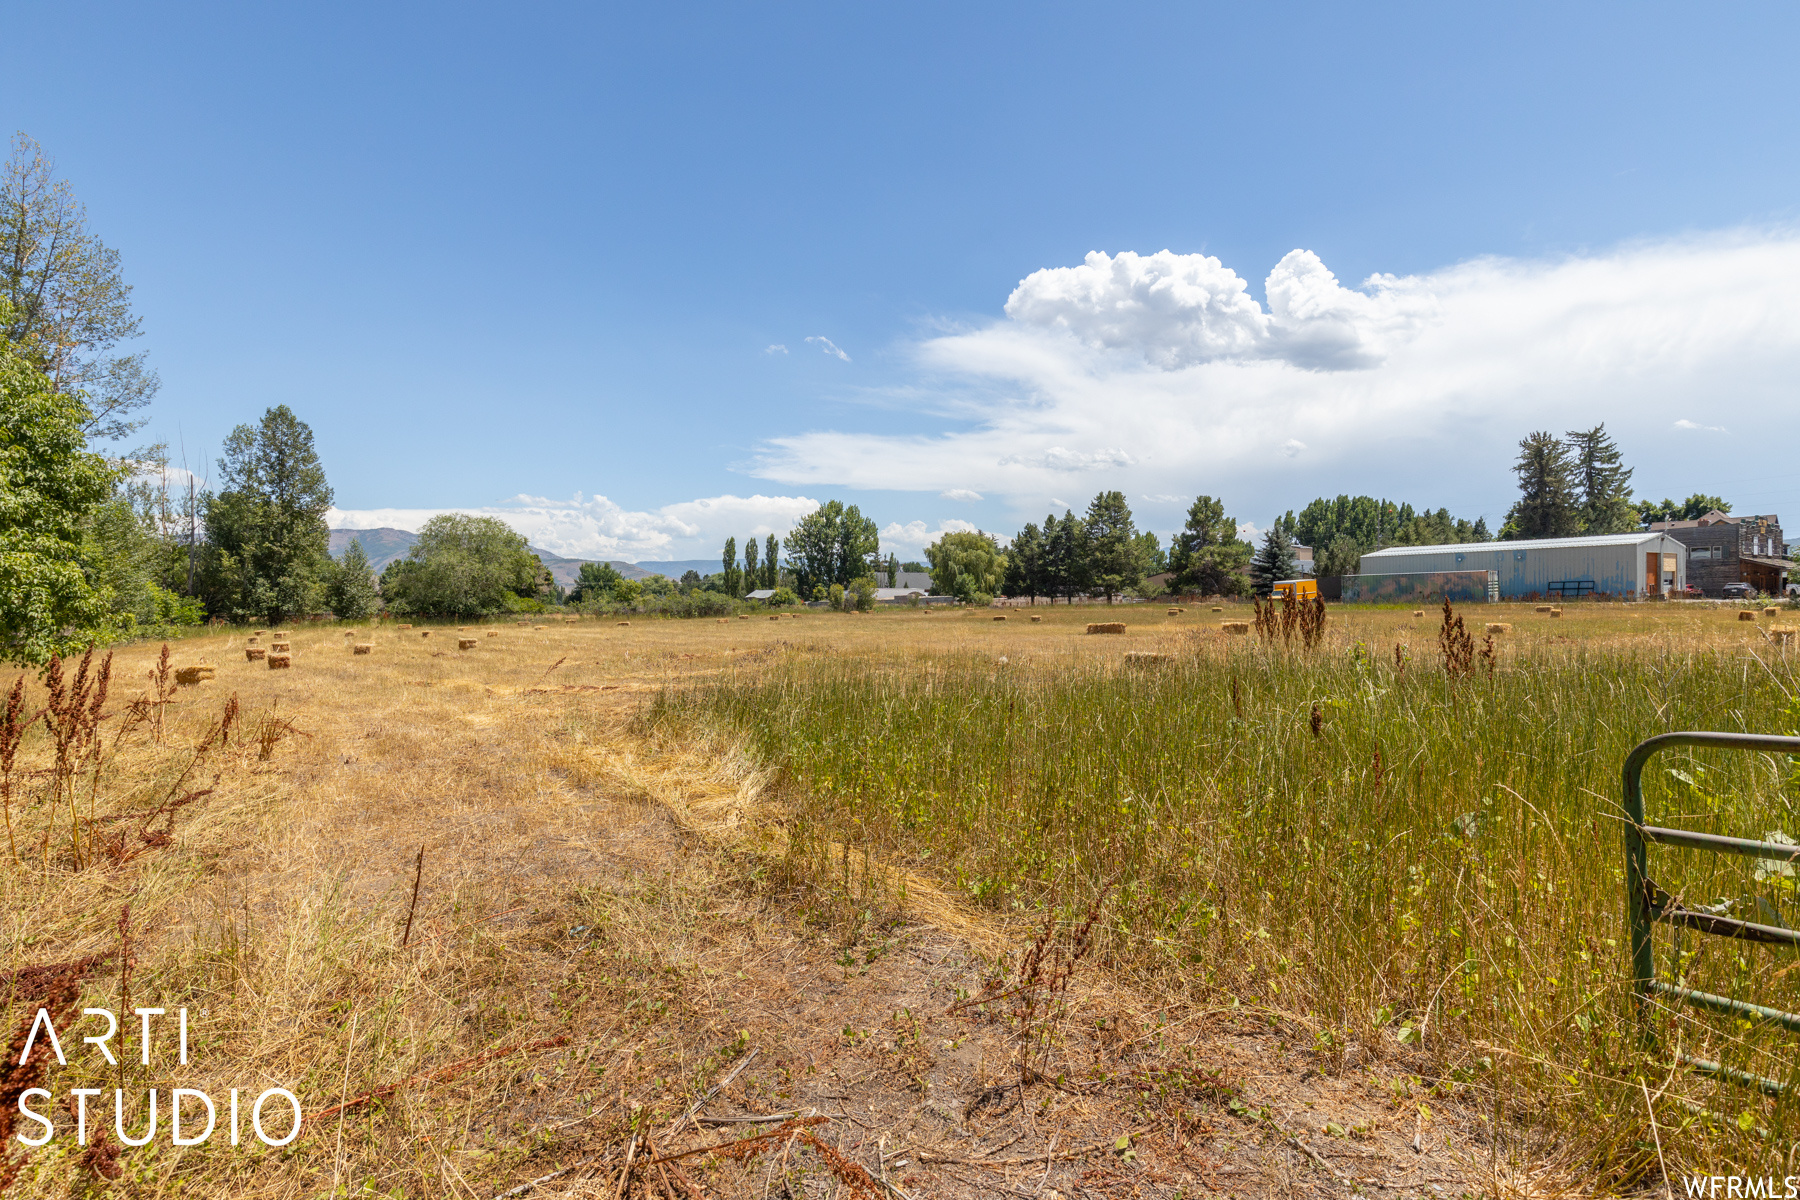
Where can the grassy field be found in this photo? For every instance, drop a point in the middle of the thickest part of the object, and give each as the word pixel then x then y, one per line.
pixel 1348 834
pixel 1419 873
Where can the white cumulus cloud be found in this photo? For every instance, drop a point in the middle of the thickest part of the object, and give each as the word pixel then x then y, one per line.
pixel 1163 374
pixel 916 535
pixel 595 527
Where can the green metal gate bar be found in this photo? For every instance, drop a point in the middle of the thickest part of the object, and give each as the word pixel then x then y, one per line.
pixel 1649 903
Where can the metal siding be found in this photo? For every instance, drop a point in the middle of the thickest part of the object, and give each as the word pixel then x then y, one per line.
pixel 1616 568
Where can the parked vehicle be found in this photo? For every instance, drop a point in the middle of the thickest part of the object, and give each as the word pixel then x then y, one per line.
pixel 1692 591
pixel 1739 591
pixel 1299 589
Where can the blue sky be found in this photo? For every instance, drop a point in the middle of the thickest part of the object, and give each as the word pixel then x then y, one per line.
pixel 533 259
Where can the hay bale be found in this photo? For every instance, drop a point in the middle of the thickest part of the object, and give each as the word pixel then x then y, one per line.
pixel 405 625
pixel 1783 635
pixel 623 624
pixel 1218 608
pixel 424 633
pixel 259 633
pixel 1771 611
pixel 1107 627
pixel 1144 659
pixel 537 629
pixel 1035 620
pixel 1174 612
pixel 349 633
pixel 1556 612
pixel 466 643
pixel 1001 618
pixel 775 617
pixel 723 621
pixel 1241 628
pixel 462 629
pixel 1544 608
pixel 1498 627
pixel 1418 612
pixel 362 648
pixel 254 653
pixel 282 635
pixel 1746 615
pixel 742 617
pixel 191 676
pixel 280 662
pixel 493 633
pixel 570 620
pixel 521 624
pixel 280 647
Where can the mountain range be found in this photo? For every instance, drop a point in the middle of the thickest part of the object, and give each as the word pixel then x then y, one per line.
pixel 384 545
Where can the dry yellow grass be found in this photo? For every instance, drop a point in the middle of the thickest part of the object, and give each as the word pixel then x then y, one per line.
pixel 556 899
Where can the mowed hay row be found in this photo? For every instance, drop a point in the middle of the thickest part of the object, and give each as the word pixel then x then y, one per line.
pixel 1106 627
pixel 362 648
pixel 1241 628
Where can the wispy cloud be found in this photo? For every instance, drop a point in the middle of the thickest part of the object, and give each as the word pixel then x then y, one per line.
pixel 963 495
pixel 777 348
pixel 828 346
pixel 1684 423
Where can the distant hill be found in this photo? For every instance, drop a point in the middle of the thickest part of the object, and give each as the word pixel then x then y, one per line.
pixel 383 546
pixel 675 569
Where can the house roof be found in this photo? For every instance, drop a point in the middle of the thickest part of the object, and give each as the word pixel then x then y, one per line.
pixel 1635 538
pixel 760 594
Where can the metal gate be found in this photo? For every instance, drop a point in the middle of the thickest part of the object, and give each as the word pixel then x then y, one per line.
pixel 1649 903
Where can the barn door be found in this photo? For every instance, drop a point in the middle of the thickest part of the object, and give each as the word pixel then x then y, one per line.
pixel 1650 575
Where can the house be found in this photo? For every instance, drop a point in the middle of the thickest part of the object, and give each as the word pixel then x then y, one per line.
pixel 1303 560
pixel 1628 565
pixel 907 579
pixel 1724 549
pixel 899 595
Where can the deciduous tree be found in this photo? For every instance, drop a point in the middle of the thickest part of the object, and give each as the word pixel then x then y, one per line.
pixel 464 566
pixel 267 543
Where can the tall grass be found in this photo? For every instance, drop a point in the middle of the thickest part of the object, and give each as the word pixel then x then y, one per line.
pixel 1425 871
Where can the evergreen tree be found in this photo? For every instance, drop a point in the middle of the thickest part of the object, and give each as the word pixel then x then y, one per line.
pixel 1602 483
pixel 1024 563
pixel 1274 560
pixel 1207 555
pixel 771 566
pixel 1479 532
pixel 351 593
pixel 1548 506
pixel 1068 572
pixel 1112 556
pixel 267 543
pixel 752 572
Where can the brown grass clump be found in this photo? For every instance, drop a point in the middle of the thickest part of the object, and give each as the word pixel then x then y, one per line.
pixel 1106 627
pixel 424 633
pixel 362 648
pixel 1242 628
pixel 280 662
pixel 1746 615
pixel 1147 658
pixel 466 643
pixel 255 653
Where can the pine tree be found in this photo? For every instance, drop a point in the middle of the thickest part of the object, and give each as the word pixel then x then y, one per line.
pixel 1066 566
pixel 1024 563
pixel 1601 482
pixel 1547 505
pixel 1207 553
pixel 1274 561
pixel 1112 556
pixel 351 593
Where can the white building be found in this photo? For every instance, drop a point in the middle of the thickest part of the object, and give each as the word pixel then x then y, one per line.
pixel 1634 565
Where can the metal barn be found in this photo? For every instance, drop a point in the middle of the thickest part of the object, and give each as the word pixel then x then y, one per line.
pixel 1632 565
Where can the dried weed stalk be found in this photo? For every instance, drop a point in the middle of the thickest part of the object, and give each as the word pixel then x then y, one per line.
pixel 1457 645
